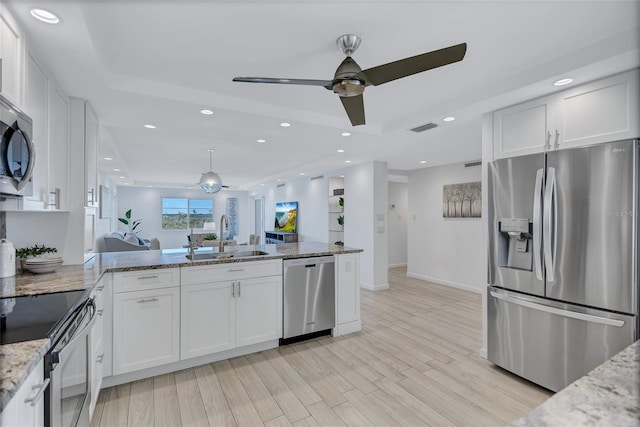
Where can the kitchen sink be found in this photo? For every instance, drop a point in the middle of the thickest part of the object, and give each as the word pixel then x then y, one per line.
pixel 222 255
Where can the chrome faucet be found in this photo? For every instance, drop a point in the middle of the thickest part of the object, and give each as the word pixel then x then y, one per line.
pixel 223 219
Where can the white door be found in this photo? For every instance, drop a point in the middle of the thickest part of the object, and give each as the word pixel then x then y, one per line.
pixel 146 329
pixel 258 310
pixel 207 319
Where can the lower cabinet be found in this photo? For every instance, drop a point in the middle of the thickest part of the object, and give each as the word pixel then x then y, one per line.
pixel 26 407
pixel 146 329
pixel 348 292
pixel 230 305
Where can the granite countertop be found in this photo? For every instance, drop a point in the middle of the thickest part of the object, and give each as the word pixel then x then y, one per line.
pixel 608 395
pixel 18 360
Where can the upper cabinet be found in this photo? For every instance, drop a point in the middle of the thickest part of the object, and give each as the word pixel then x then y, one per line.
pixel 600 111
pixel 84 137
pixel 11 63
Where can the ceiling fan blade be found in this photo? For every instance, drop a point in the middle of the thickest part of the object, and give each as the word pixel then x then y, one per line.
pixel 324 83
pixel 354 106
pixel 413 65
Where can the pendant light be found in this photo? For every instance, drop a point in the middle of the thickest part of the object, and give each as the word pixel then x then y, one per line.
pixel 210 182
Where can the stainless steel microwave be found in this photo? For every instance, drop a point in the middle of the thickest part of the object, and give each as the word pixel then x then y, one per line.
pixel 17 154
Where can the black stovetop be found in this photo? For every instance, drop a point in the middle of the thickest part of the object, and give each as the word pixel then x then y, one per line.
pixel 27 318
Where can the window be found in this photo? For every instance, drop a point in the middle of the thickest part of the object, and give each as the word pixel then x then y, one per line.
pixel 181 214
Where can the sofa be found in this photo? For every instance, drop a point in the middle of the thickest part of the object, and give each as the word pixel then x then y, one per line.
pixel 118 242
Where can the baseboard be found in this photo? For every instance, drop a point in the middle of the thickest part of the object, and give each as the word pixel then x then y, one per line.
pixel 185 364
pixel 483 353
pixel 347 328
pixel 402 264
pixel 445 283
pixel 369 287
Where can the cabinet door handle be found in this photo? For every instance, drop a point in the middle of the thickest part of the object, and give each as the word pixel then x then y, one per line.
pixel 235 270
pixel 100 288
pixel 239 287
pixel 557 145
pixel 42 387
pixel 142 301
pixel 100 312
pixel 549 140
pixel 233 289
pixel 99 358
pixel 155 276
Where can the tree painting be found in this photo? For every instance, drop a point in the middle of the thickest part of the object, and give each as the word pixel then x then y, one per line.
pixel 462 200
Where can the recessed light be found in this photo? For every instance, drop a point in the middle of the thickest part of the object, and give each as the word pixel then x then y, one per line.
pixel 122 177
pixel 206 112
pixel 45 16
pixel 150 126
pixel 149 186
pixel 261 141
pixel 278 179
pixel 341 176
pixel 347 161
pixel 116 170
pixel 562 82
pixel 423 161
pixel 341 151
pixel 346 134
pixel 108 158
pixel 261 185
pixel 449 119
pixel 301 173
pixel 285 124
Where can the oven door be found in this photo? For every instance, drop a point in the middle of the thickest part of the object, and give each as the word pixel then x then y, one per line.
pixel 69 395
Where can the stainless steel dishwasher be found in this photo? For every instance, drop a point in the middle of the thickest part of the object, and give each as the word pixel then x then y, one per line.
pixel 309 298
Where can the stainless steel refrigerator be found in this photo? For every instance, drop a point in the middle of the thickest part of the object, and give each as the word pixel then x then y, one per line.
pixel 563 261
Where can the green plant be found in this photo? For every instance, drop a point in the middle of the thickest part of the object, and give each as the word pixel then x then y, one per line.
pixel 132 224
pixel 341 202
pixel 33 251
pixel 341 220
pixel 211 236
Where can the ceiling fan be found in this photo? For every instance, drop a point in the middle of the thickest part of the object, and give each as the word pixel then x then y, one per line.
pixel 350 80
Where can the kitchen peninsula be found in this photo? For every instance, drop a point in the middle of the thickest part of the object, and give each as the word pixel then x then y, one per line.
pixel 120 276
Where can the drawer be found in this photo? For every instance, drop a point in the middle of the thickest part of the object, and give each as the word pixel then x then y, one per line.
pixel 146 279
pixel 230 271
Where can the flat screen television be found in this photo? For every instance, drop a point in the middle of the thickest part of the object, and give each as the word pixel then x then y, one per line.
pixel 286 217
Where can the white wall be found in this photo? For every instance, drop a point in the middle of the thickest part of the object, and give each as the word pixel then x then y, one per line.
pixel 444 250
pixel 145 204
pixel 398 205
pixel 313 211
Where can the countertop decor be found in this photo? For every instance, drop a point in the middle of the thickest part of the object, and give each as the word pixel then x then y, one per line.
pixel 608 395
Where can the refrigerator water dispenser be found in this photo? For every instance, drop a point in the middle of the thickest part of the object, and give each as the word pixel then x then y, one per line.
pixel 515 243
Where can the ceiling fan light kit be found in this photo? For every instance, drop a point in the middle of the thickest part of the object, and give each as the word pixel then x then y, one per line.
pixel 350 80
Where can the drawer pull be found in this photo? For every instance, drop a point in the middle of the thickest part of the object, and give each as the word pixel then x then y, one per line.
pixel 142 301
pixel 100 288
pixel 100 312
pixel 42 387
pixel 99 358
pixel 234 270
pixel 155 276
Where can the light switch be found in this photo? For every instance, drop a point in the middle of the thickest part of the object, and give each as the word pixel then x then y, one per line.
pixel 380 217
pixel 380 230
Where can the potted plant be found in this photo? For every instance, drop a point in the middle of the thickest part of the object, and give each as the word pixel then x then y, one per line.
pixel 32 252
pixel 211 236
pixel 131 224
pixel 341 220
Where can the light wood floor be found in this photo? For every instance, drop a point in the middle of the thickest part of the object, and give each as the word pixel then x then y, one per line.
pixel 414 363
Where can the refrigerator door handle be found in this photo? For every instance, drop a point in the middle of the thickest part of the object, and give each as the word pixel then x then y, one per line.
pixel 550 225
pixel 537 224
pixel 558 311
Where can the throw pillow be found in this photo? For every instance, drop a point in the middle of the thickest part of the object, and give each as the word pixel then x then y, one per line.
pixel 131 239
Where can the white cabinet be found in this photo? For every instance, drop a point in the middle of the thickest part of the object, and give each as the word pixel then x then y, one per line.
pixel 59 144
pixel 89 232
pixel 91 130
pixel 524 128
pixel 600 111
pixel 208 318
pixel 99 339
pixel 26 407
pixel 258 310
pixel 347 293
pixel 230 305
pixel 146 327
pixel 11 48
